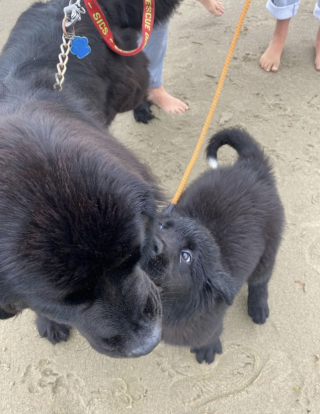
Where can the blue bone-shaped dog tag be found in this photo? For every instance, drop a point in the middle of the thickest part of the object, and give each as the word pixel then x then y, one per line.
pixel 80 47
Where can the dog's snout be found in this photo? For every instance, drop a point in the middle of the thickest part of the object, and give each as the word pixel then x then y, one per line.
pixel 158 246
pixel 149 308
pixel 152 306
pixel 150 335
pixel 149 344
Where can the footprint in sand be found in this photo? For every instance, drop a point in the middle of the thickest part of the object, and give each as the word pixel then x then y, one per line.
pixel 63 390
pixel 236 369
pixel 313 254
pixel 129 391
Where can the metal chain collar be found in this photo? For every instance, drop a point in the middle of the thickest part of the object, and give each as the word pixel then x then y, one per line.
pixel 63 60
pixel 72 14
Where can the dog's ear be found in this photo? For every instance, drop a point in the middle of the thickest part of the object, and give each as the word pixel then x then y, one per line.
pixel 223 284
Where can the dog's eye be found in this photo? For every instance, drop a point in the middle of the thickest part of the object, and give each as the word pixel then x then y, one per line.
pixel 186 256
pixel 160 226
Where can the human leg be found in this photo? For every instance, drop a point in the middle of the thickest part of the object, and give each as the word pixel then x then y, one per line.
pixel 155 51
pixel 282 10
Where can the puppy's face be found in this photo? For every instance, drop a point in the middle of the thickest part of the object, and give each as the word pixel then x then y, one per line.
pixel 74 240
pixel 113 303
pixel 188 269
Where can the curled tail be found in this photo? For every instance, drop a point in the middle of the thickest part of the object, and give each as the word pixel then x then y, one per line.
pixel 247 147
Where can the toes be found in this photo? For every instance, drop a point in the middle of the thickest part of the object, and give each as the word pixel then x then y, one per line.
pixel 210 355
pixel 53 331
pixel 259 314
pixel 269 63
pixel 207 353
pixel 57 333
pixel 180 109
pixel 220 8
pixel 218 347
pixel 217 12
pixel 264 64
pixel 200 354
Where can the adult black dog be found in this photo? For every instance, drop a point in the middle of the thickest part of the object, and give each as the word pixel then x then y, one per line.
pixel 226 230
pixel 77 209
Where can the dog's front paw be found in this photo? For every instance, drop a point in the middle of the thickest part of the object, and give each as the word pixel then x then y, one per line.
pixel 53 331
pixel 207 353
pixel 143 113
pixel 258 308
pixel 6 315
pixel 258 312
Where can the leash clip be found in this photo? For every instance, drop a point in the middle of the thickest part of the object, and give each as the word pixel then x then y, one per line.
pixel 72 13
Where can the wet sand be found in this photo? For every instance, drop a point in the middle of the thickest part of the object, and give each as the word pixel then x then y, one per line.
pixel 266 369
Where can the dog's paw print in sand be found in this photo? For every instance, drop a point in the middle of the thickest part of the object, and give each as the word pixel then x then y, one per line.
pixel 177 368
pixel 249 57
pixel 315 199
pixel 42 377
pixel 177 364
pixel 235 370
pixel 307 393
pixel 308 237
pixel 314 102
pixel 166 367
pixel 128 391
pixel 62 389
pixel 313 254
pixel 5 364
pixel 248 378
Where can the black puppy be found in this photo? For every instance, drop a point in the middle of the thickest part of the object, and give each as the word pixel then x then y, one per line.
pixel 77 209
pixel 225 231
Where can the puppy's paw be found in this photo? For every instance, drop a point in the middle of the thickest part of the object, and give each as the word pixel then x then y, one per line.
pixel 6 315
pixel 258 312
pixel 53 331
pixel 258 308
pixel 207 353
pixel 143 113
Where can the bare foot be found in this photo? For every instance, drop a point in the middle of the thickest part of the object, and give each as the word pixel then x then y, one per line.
pixel 317 47
pixel 213 6
pixel 270 60
pixel 167 102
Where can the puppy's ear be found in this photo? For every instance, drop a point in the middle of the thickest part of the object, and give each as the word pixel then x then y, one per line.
pixel 223 284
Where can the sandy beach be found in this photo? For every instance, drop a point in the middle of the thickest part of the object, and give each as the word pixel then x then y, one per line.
pixel 267 369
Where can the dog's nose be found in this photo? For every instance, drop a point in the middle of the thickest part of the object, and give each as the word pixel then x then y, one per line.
pixel 149 344
pixel 158 246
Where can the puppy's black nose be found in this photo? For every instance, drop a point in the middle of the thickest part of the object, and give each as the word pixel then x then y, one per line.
pixel 158 246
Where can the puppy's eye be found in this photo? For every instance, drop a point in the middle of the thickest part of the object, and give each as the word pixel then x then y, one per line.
pixel 160 226
pixel 186 256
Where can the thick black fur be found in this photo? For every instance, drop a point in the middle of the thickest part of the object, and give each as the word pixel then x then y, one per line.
pixel 225 231
pixel 77 209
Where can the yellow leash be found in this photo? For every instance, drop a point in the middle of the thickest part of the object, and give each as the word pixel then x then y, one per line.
pixel 212 108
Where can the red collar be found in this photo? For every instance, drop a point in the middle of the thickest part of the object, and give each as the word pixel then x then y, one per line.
pixel 101 24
